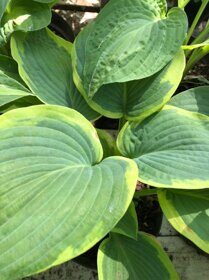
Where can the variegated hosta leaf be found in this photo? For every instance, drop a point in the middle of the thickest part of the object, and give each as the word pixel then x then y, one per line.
pixel 135 100
pixel 129 40
pixel 171 148
pixel 194 100
pixel 188 213
pixel 24 15
pixel 47 69
pixel 123 258
pixel 57 199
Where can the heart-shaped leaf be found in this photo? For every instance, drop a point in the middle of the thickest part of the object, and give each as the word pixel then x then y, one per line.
pixel 171 148
pixel 47 69
pixel 135 100
pixel 194 100
pixel 188 213
pixel 57 198
pixel 123 258
pixel 129 40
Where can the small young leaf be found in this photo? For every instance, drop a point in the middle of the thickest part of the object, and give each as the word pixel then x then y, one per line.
pixel 108 143
pixel 129 40
pixel 123 258
pixel 11 90
pixel 171 148
pixel 26 16
pixel 188 213
pixel 128 225
pixel 57 198
pixel 47 69
pixel 26 101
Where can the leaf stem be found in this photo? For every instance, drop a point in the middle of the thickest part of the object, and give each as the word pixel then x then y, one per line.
pixel 195 57
pixel 184 3
pixel 145 192
pixel 122 121
pixel 196 20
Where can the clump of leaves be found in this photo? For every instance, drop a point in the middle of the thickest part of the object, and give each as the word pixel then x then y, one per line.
pixel 65 185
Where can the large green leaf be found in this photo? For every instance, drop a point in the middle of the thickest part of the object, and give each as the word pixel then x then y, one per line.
pixel 138 99
pixel 171 148
pixel 194 100
pixel 25 15
pixel 129 40
pixel 47 69
pixel 57 198
pixel 123 258
pixel 188 213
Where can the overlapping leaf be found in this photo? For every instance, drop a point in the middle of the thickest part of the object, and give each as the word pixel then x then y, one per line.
pixel 23 15
pixel 171 148
pixel 11 88
pixel 47 69
pixel 108 143
pixel 135 100
pixel 3 5
pixel 188 213
pixel 128 225
pixel 26 15
pixel 9 67
pixel 123 258
pixel 194 100
pixel 129 40
pixel 57 198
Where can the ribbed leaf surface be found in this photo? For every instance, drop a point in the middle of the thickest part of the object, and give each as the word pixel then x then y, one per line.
pixel 129 40
pixel 171 148
pixel 57 198
pixel 135 100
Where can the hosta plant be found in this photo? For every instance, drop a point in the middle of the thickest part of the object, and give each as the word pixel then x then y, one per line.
pixel 64 185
